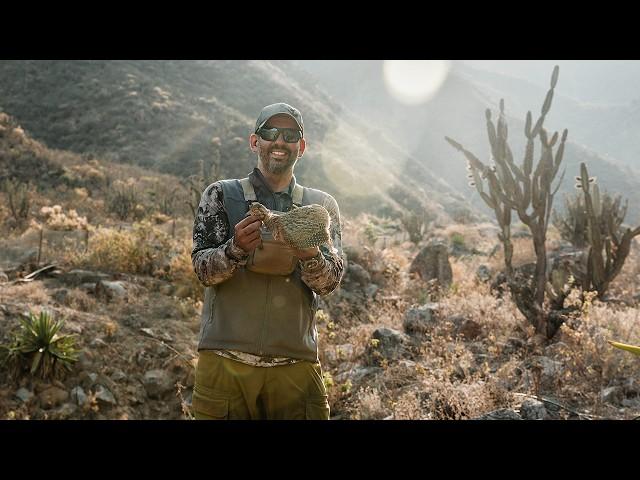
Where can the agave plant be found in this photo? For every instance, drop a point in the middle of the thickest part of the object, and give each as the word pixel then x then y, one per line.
pixel 39 343
pixel 623 346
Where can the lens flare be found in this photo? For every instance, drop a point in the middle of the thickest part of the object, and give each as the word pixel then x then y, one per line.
pixel 414 81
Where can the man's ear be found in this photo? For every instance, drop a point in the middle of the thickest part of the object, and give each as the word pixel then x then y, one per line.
pixel 253 142
pixel 303 146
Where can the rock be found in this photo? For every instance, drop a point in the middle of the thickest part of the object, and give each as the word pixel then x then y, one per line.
pixel 613 394
pixel 98 342
pixel 148 332
pixel 420 319
pixel 167 290
pixel 60 296
pixel 78 277
pixel 85 359
pixel 532 409
pixel 104 395
pixel 24 395
pixel 157 383
pixel 483 273
pixel 387 343
pixel 357 274
pixel 66 410
pixel 88 288
pixel 118 376
pixel 470 329
pixel 502 414
pixel 371 290
pixel 357 373
pixel 78 395
pixel 432 263
pixel 110 290
pixel 52 397
pixel 3 277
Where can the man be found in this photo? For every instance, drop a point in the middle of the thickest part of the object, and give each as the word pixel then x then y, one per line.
pixel 258 343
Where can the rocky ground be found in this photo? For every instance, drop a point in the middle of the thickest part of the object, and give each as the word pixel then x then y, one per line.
pixel 393 345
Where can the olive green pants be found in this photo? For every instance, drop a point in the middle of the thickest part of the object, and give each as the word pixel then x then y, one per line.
pixel 227 389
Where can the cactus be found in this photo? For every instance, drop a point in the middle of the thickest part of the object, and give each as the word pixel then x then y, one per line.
pixel 529 192
pixel 609 243
pixel 572 223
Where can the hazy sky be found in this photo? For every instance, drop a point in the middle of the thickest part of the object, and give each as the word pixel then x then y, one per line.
pixel 590 81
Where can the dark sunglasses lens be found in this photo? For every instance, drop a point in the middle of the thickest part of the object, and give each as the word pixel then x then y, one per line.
pixel 268 134
pixel 291 135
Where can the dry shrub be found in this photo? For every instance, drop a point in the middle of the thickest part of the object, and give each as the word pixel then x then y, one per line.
pixel 444 400
pixel 57 219
pixel 141 250
pixel 590 363
pixel 181 273
pixel 370 405
pixel 79 300
pixel 33 293
pixel 408 407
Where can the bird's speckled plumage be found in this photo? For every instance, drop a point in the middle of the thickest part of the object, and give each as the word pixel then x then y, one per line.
pixel 300 228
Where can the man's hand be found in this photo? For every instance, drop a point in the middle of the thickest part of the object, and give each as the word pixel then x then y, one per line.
pixel 306 253
pixel 247 233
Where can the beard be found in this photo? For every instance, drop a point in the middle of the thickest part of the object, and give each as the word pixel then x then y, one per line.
pixel 277 166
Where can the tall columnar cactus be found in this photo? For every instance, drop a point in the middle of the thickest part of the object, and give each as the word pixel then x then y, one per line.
pixel 526 190
pixel 609 244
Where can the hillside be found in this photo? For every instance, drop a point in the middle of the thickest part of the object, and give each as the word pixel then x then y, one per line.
pixel 170 115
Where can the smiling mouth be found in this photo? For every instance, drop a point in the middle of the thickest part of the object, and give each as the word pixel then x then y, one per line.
pixel 279 154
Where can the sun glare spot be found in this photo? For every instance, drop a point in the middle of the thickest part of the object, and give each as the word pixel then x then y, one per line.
pixel 414 81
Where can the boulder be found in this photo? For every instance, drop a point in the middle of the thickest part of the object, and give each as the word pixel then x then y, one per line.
pixel 3 277
pixel 110 290
pixel 387 343
pixel 502 414
pixel 483 273
pixel 78 277
pixel 104 395
pixel 532 409
pixel 78 395
pixel 420 319
pixel 157 383
pixel 24 395
pixel 357 274
pixel 432 263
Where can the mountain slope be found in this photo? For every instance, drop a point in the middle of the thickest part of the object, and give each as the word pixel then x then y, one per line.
pixel 170 115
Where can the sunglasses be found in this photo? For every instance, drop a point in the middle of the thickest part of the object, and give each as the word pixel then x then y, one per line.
pixel 290 135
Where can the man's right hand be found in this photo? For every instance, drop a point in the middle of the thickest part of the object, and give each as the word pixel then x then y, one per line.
pixel 247 233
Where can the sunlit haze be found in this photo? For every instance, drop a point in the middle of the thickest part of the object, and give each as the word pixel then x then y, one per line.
pixel 414 81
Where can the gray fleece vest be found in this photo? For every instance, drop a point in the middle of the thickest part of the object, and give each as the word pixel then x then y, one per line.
pixel 256 313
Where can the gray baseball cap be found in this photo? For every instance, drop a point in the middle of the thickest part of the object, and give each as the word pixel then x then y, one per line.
pixel 279 108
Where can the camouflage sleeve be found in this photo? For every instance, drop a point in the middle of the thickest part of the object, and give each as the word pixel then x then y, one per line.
pixel 325 277
pixel 215 257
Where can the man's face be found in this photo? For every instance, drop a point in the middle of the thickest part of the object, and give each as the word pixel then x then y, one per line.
pixel 278 157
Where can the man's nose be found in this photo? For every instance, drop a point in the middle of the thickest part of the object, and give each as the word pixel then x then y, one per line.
pixel 280 140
